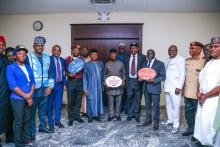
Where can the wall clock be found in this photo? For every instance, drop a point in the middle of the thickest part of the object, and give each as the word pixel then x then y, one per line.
pixel 37 25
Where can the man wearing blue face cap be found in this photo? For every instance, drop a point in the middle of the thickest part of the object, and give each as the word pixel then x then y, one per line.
pixel 44 78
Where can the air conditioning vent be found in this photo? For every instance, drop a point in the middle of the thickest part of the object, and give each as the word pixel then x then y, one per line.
pixel 102 2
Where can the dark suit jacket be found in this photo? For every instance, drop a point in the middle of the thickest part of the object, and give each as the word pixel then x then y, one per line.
pixel 140 61
pixel 155 87
pixel 4 93
pixel 63 64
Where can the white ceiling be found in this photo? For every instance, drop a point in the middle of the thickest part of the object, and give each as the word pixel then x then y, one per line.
pixel 66 6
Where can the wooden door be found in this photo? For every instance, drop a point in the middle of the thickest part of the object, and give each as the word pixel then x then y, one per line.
pixel 103 37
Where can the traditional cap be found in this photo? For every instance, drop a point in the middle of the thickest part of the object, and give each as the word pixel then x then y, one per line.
pixel 215 40
pixel 2 38
pixel 39 40
pixel 93 50
pixel 134 44
pixel 196 43
pixel 113 50
pixel 122 44
pixel 20 48
pixel 75 46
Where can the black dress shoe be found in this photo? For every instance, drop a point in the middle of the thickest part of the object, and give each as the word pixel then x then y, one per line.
pixel 59 125
pixel 33 138
pixel 156 126
pixel 129 118
pixel 90 120
pixel 147 122
pixel 137 119
pixel 187 133
pixel 80 120
pixel 193 139
pixel 9 140
pixel 98 119
pixel 110 119
pixel 70 123
pixel 51 127
pixel 84 115
pixel 45 130
pixel 118 118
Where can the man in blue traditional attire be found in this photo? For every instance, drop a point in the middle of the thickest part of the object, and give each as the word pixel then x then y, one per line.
pixel 93 86
pixel 42 68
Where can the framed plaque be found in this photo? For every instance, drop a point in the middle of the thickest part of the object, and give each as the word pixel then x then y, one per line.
pixel 76 66
pixel 113 81
pixel 147 73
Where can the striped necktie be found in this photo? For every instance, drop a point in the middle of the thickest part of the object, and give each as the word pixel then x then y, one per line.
pixel 59 74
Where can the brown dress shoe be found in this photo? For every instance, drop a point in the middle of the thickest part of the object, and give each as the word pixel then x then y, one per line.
pixel 156 126
pixel 147 122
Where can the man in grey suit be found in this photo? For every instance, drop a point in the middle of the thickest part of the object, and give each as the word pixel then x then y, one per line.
pixel 152 89
pixel 133 62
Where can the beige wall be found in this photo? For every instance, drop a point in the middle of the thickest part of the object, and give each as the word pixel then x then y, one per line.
pixel 159 30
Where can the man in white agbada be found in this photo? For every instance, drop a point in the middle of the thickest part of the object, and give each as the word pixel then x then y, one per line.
pixel 175 77
pixel 209 78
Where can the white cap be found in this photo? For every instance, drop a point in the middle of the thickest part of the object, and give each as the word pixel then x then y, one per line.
pixel 121 44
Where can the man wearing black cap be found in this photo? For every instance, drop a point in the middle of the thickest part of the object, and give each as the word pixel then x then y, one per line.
pixel 114 68
pixel 193 66
pixel 133 62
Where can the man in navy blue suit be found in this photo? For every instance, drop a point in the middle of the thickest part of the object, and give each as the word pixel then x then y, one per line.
pixel 56 96
pixel 133 62
pixel 152 89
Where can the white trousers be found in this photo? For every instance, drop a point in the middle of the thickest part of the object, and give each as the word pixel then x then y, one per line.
pixel 217 139
pixel 173 103
pixel 205 116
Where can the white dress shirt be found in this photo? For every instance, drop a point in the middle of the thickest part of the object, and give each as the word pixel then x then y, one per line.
pixel 151 63
pixel 175 73
pixel 23 68
pixel 136 60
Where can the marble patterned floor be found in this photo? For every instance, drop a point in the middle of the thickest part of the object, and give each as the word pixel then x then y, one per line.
pixel 112 134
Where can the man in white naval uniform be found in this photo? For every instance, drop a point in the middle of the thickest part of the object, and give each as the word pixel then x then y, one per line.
pixel 175 71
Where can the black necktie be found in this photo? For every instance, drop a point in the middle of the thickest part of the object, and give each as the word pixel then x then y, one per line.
pixel 133 66
pixel 148 64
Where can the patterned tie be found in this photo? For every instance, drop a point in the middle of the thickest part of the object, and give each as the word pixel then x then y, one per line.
pixel 133 66
pixel 148 65
pixel 59 74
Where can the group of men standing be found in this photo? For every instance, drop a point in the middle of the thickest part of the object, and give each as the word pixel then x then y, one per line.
pixel 85 88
